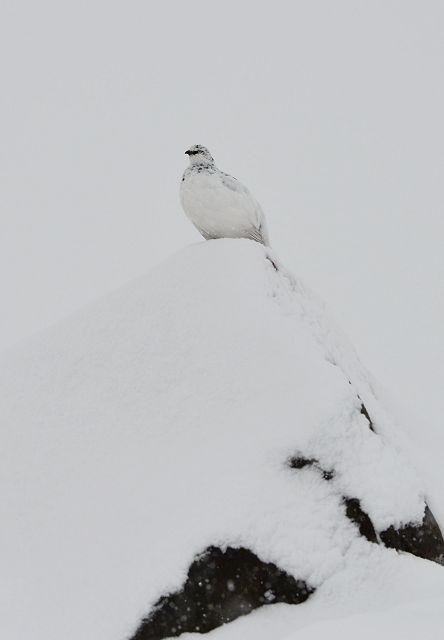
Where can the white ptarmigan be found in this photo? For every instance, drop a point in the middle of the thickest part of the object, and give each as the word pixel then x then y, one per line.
pixel 217 204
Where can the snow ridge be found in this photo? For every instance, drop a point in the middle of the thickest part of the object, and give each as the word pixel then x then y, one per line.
pixel 159 422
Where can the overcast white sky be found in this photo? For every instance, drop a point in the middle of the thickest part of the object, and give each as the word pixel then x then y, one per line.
pixel 330 112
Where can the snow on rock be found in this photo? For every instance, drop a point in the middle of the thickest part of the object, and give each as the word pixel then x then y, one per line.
pixel 165 420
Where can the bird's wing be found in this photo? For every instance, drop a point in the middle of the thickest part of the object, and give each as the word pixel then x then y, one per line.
pixel 250 206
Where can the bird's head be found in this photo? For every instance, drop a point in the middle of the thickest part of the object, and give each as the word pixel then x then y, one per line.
pixel 198 154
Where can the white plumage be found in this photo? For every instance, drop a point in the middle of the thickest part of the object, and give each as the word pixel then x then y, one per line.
pixel 217 204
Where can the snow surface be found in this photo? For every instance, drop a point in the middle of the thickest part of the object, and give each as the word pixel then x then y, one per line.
pixel 159 421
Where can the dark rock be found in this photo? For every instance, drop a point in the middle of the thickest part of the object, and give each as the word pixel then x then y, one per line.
pixel 365 413
pixel 299 462
pixel 361 519
pixel 220 586
pixel 424 540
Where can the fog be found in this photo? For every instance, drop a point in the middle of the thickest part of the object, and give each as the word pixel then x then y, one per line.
pixel 331 113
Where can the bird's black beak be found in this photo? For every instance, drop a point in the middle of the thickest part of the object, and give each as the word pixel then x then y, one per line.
pixel 188 152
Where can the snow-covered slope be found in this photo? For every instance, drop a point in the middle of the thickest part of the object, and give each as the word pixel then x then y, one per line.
pixel 209 403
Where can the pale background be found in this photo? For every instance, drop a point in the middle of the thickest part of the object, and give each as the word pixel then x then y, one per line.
pixel 330 112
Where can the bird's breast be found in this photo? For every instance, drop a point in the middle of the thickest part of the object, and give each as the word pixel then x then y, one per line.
pixel 211 206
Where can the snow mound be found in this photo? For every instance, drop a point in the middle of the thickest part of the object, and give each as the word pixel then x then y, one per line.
pixel 208 404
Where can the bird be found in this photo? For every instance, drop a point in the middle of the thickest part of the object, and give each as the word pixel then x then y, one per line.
pixel 217 204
